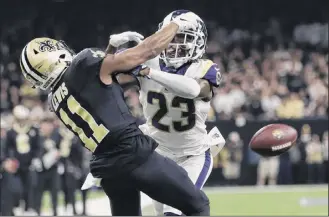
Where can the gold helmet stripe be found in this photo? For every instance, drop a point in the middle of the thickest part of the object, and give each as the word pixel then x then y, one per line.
pixel 27 68
pixel 25 72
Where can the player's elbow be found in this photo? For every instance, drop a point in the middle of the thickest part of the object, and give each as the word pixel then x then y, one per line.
pixel 195 93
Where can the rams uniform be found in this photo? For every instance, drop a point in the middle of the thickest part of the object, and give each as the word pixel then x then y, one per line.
pixel 178 124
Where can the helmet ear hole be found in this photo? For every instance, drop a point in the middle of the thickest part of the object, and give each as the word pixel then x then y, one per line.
pixel 62 56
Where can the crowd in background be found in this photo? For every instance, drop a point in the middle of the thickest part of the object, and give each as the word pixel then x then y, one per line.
pixel 263 78
pixel 269 73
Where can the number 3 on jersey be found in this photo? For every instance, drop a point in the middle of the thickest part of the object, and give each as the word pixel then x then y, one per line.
pixel 99 130
pixel 177 102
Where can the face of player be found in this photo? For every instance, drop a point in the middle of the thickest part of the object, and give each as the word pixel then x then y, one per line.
pixel 179 44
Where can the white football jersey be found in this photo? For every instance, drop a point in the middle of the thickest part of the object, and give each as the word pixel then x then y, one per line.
pixel 176 123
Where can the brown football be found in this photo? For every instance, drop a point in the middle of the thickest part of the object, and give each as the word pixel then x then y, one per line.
pixel 273 139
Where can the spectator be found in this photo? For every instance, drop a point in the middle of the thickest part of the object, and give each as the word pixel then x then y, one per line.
pixel 325 155
pixel 232 157
pixel 268 168
pixel 314 159
pixel 292 107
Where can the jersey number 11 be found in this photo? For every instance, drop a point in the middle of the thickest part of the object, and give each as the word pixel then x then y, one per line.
pixel 99 130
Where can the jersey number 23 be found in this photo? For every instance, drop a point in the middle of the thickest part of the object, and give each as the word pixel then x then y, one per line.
pixel 177 102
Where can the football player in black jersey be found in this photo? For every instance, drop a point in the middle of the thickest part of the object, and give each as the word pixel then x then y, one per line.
pixel 87 98
pixel 22 144
pixel 49 155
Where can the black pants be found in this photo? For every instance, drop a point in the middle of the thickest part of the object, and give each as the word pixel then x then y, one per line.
pixel 10 193
pixel 83 194
pixel 26 179
pixel 315 173
pixel 161 179
pixel 69 186
pixel 48 180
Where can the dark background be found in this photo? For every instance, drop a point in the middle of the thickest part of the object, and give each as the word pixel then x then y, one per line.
pixel 89 18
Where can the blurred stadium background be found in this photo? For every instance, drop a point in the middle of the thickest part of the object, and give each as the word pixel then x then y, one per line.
pixel 274 60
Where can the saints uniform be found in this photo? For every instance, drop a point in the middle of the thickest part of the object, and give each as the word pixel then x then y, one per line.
pixel 71 159
pixel 179 119
pixel 98 115
pixel 23 144
pixel 48 177
pixel 178 124
pixel 122 156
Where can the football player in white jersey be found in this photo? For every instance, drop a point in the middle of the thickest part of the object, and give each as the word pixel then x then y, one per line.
pixel 175 93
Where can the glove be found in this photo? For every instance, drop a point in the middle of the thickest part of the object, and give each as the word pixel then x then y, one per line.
pixel 117 40
pixel 36 165
pixel 186 21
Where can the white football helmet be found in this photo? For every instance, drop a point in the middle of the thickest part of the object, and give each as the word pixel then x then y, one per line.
pixel 44 60
pixel 187 45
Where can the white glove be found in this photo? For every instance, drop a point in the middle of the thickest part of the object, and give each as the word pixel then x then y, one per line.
pixel 36 164
pixel 117 40
pixel 186 21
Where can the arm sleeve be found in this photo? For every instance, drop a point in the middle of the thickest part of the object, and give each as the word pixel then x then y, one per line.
pixel 180 85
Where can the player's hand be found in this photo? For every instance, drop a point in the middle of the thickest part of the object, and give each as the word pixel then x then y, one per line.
pixel 186 22
pixel 117 40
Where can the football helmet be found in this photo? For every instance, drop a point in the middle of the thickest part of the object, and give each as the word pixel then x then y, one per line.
pixel 21 116
pixel 187 45
pixel 44 60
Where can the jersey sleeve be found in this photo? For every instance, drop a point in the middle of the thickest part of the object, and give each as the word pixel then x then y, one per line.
pixel 211 73
pixel 85 65
pixel 90 57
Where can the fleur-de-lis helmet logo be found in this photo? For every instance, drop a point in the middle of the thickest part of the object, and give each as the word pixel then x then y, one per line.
pixel 46 46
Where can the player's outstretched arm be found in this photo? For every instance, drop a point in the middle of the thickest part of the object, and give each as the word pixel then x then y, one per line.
pixel 148 49
pixel 182 86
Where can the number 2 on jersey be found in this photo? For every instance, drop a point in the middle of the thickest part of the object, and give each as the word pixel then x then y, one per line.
pixel 160 99
pixel 99 130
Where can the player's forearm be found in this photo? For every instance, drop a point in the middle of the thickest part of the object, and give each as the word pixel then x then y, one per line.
pixel 148 49
pixel 180 85
pixel 156 43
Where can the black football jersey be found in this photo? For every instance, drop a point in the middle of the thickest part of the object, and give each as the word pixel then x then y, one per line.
pixel 95 112
pixel 48 145
pixel 23 144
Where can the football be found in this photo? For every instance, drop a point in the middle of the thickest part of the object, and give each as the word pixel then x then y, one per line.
pixel 273 140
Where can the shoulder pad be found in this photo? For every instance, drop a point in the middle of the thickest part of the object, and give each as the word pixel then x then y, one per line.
pixel 205 69
pixel 89 56
pixel 211 72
